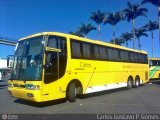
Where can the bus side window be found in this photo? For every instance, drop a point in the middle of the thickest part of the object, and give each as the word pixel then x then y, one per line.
pixel 92 51
pixel 52 42
pixel 113 54
pixel 86 51
pixel 63 47
pixel 124 56
pixel 96 52
pixel 76 49
pixel 103 53
pixel 133 57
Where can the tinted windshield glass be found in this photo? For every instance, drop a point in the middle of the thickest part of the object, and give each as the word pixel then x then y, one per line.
pixel 28 59
pixel 155 63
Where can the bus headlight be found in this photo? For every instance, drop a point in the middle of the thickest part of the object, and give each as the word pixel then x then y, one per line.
pixel 32 87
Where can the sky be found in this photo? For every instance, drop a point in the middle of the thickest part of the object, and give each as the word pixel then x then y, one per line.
pixel 20 18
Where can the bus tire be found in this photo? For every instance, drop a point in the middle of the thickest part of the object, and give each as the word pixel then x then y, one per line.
pixel 129 83
pixel 137 82
pixel 72 92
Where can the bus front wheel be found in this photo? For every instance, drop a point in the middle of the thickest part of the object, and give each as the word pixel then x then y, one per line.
pixel 72 92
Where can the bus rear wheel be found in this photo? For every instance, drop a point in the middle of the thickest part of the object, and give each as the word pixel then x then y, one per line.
pixel 72 92
pixel 129 83
pixel 137 83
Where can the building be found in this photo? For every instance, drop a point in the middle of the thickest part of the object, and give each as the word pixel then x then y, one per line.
pixel 4 71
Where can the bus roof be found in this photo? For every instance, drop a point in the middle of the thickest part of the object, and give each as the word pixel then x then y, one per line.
pixel 154 58
pixel 83 39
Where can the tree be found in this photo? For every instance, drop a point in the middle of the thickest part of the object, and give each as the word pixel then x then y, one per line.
pixel 86 28
pixel 98 18
pixel 77 33
pixel 151 26
pixel 113 19
pixel 157 4
pixel 139 33
pixel 117 41
pixel 131 13
pixel 126 37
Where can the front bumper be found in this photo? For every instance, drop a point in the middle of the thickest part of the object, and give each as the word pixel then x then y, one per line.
pixel 22 93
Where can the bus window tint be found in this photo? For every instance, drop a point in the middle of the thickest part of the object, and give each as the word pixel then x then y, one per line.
pixel 52 42
pixel 86 50
pixel 155 63
pixel 124 56
pixel 96 52
pixel 133 57
pixel 103 53
pixel 113 54
pixel 146 59
pixel 76 49
pixel 141 58
pixel 63 47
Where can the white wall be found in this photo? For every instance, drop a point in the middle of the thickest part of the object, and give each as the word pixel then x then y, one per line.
pixel 3 64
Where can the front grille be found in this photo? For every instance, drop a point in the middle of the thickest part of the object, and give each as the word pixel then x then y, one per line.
pixel 22 86
pixel 17 85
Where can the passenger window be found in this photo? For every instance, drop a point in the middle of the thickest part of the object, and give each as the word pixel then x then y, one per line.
pixel 76 49
pixel 86 50
pixel 132 57
pixel 113 54
pixel 103 53
pixel 96 52
pixel 124 56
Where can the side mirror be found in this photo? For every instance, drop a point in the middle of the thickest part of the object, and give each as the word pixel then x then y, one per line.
pixel 10 61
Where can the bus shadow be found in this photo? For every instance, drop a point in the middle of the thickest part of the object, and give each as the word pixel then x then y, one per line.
pixel 41 104
pixel 60 101
pixel 101 93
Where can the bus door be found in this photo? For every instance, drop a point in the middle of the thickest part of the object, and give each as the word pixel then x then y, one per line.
pixel 56 58
pixel 51 66
pixel 51 75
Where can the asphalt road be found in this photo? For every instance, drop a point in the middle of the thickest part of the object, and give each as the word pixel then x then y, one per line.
pixel 142 100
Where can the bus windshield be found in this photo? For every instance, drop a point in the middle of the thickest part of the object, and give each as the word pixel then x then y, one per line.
pixel 28 59
pixel 155 63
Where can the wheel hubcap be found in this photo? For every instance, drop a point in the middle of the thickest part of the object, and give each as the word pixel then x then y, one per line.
pixel 137 83
pixel 130 84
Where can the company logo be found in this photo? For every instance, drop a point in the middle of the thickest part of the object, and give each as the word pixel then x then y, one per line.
pixel 4 116
pixel 9 117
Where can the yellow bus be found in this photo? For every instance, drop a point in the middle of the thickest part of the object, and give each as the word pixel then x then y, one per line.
pixel 154 68
pixel 52 65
